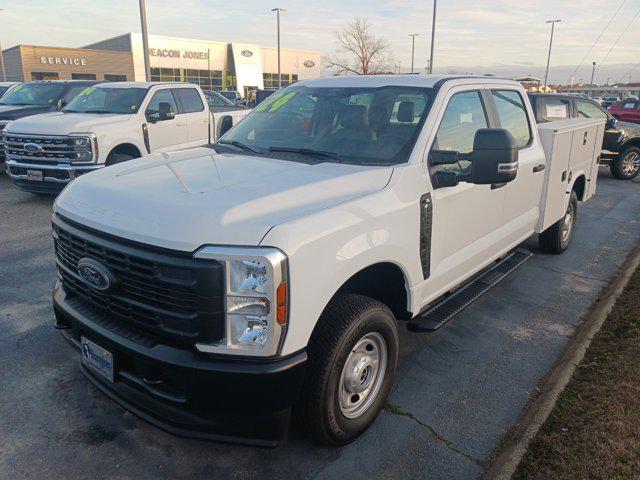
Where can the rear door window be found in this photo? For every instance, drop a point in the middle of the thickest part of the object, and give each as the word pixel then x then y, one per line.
pixel 589 110
pixel 190 100
pixel 551 109
pixel 512 114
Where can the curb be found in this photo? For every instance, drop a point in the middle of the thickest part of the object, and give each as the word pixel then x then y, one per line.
pixel 503 466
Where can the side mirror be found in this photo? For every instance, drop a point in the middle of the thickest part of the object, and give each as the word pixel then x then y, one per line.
pixel 165 112
pixel 61 104
pixel 611 124
pixel 494 158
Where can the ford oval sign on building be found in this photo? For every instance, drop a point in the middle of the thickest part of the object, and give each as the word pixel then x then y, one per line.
pixel 309 63
pixel 246 53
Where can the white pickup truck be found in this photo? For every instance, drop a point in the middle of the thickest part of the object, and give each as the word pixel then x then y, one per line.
pixel 107 124
pixel 215 290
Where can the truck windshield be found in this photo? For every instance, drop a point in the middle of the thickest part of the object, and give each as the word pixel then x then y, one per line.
pixel 373 126
pixel 37 94
pixel 98 100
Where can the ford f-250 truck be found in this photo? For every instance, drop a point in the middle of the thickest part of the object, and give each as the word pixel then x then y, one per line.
pixel 108 124
pixel 212 290
pixel 32 98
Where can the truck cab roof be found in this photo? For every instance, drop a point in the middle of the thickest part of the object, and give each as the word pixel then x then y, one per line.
pixel 408 80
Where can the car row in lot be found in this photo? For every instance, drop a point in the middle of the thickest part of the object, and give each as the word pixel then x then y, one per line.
pixel 88 126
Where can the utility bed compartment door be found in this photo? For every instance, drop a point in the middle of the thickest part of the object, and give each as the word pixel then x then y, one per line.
pixel 572 148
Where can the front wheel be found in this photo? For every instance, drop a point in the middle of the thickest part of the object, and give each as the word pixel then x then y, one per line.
pixel 557 237
pixel 627 165
pixel 353 355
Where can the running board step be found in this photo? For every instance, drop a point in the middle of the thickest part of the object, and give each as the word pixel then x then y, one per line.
pixel 439 314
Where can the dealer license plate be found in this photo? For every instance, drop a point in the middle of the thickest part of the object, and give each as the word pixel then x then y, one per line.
pixel 97 358
pixel 34 175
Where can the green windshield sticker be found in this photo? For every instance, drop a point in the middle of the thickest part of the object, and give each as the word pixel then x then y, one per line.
pixel 133 107
pixel 16 88
pixel 87 91
pixel 268 102
pixel 50 100
pixel 282 102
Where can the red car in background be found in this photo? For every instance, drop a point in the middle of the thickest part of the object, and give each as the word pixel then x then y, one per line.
pixel 626 110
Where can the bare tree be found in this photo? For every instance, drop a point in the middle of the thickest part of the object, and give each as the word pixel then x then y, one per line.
pixel 360 51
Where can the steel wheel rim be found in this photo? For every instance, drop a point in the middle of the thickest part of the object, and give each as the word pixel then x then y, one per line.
pixel 567 224
pixel 631 163
pixel 362 375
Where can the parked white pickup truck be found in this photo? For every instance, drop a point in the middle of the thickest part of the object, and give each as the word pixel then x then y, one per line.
pixel 107 124
pixel 211 290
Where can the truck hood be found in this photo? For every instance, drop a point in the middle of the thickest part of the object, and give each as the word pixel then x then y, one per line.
pixel 61 123
pixel 195 197
pixel 13 112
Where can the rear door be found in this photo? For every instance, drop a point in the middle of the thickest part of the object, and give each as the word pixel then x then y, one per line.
pixel 523 193
pixel 164 135
pixel 194 115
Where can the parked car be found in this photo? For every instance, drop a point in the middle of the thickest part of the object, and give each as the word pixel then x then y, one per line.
pixel 621 145
pixel 32 98
pixel 218 103
pixel 107 124
pixel 233 96
pixel 609 100
pixel 626 110
pixel 210 290
pixel 6 86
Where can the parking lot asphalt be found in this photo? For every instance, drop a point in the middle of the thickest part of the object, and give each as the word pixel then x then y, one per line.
pixel 458 390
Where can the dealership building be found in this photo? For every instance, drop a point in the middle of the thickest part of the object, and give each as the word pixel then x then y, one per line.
pixel 212 65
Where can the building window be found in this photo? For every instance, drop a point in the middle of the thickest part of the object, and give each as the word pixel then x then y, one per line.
pixel 207 80
pixel 271 80
pixel 111 77
pixel 83 76
pixel 44 76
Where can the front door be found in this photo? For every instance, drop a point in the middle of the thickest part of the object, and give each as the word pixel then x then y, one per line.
pixel 165 135
pixel 466 218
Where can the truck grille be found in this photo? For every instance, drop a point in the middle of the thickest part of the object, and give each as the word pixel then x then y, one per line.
pixel 44 149
pixel 170 295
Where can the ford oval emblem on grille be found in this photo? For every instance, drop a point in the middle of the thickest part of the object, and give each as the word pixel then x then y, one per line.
pixel 95 274
pixel 33 148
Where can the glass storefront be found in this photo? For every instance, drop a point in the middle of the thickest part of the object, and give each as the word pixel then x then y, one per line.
pixel 271 80
pixel 207 80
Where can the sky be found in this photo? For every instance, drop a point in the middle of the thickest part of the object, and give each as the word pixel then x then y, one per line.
pixel 508 37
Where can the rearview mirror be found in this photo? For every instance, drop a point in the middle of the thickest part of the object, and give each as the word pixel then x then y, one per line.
pixel 611 124
pixel 165 112
pixel 494 157
pixel 61 104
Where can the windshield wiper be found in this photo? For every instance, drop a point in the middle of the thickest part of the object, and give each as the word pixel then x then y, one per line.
pixel 239 145
pixel 305 151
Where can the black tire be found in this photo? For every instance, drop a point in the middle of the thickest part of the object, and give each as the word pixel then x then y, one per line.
pixel 347 321
pixel 116 158
pixel 626 165
pixel 554 239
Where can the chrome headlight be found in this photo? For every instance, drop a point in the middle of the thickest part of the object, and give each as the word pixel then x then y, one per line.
pixel 255 300
pixel 85 147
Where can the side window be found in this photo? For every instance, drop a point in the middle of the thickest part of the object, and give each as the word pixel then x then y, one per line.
pixel 551 109
pixel 190 100
pixel 161 96
pixel 512 115
pixel 215 101
pixel 73 92
pixel 464 116
pixel 589 110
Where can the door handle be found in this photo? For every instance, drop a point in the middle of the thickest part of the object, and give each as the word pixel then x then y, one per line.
pixel 538 168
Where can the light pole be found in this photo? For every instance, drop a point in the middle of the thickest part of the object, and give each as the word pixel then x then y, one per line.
pixel 433 36
pixel 4 73
pixel 593 71
pixel 145 40
pixel 413 48
pixel 278 10
pixel 546 73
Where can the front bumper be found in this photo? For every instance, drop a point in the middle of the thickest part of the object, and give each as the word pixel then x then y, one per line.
pixel 186 393
pixel 54 177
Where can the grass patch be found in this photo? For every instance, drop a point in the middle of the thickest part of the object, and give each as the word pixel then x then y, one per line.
pixel 594 430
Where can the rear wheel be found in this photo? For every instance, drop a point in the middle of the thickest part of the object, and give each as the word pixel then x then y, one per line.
pixel 557 237
pixel 353 355
pixel 627 165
